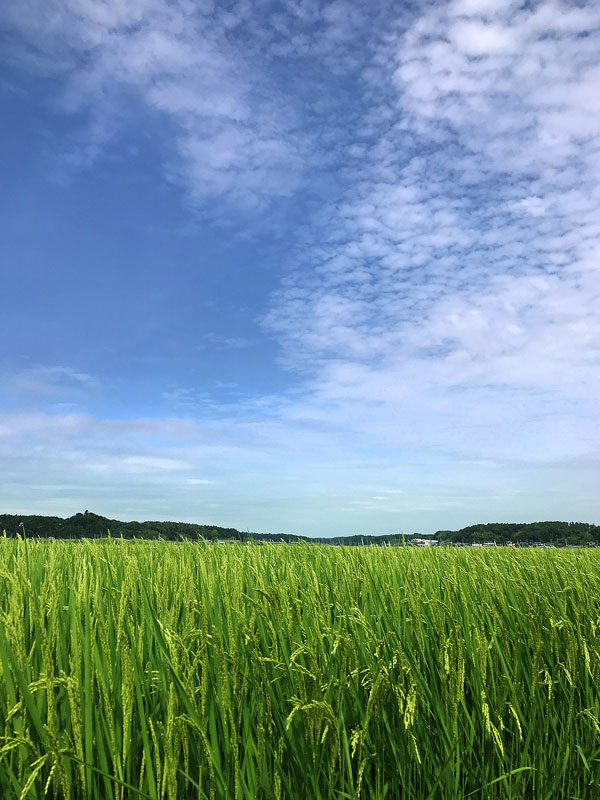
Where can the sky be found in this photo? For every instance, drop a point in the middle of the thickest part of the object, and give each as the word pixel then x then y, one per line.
pixel 297 266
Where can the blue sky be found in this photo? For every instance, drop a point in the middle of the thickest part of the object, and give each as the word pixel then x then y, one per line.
pixel 316 267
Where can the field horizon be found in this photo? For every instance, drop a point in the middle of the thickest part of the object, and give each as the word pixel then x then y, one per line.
pixel 91 525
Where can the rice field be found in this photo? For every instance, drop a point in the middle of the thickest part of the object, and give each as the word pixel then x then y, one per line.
pixel 136 669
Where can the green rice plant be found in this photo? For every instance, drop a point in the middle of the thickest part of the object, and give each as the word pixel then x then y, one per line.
pixel 169 671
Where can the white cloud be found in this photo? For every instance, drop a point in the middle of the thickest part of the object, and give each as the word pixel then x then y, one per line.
pixel 44 388
pixel 235 133
pixel 41 380
pixel 137 465
pixel 214 341
pixel 454 297
pixel 476 38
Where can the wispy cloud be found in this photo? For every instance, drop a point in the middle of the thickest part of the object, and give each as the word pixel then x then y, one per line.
pixel 457 282
pixel 214 341
pixel 245 96
pixel 137 465
pixel 232 130
pixel 268 475
pixel 58 385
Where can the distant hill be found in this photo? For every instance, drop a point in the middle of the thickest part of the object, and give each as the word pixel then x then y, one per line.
pixel 558 533
pixel 94 526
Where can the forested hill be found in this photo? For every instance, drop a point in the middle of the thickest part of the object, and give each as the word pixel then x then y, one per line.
pixel 93 526
pixel 558 533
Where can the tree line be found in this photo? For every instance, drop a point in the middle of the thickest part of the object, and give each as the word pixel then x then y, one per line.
pixel 87 525
pixel 556 533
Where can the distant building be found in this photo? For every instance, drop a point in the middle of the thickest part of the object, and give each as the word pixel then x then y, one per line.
pixel 423 542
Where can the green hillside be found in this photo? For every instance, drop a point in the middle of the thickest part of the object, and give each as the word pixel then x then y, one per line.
pixel 93 526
